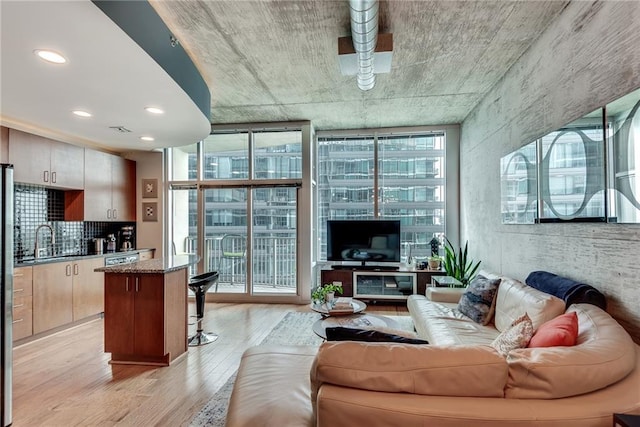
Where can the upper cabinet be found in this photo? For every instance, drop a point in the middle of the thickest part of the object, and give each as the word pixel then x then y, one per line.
pixel 43 161
pixel 109 187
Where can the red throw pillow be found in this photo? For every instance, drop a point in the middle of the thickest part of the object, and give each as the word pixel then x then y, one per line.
pixel 560 331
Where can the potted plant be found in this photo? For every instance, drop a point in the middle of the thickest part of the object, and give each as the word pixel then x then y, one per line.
pixel 325 292
pixel 434 262
pixel 457 265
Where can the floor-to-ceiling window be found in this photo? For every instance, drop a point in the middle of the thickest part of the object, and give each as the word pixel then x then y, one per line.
pixel 384 175
pixel 234 201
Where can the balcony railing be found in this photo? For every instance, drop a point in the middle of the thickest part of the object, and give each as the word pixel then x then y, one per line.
pixel 273 261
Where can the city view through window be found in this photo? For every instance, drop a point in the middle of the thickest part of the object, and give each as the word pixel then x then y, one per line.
pixel 410 178
pixel 232 175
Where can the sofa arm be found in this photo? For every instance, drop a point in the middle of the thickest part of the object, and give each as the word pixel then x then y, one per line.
pixel 405 368
pixel 451 295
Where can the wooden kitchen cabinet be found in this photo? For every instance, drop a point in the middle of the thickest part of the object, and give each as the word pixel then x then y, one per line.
pixel 88 288
pixel 110 189
pixel 52 295
pixel 22 302
pixel 145 317
pixel 43 161
pixel 123 189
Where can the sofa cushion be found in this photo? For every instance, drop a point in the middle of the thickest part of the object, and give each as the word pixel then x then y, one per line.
pixel 516 336
pixel 272 387
pixel 515 298
pixel 603 355
pixel 561 331
pixel 419 369
pixel 443 324
pixel 477 302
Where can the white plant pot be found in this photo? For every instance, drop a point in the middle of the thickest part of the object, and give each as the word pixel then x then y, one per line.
pixel 330 296
pixel 434 264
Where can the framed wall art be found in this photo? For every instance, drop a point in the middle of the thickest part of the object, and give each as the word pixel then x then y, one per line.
pixel 150 211
pixel 149 188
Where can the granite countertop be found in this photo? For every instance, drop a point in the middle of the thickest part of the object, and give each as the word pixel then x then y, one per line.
pixel 74 257
pixel 153 266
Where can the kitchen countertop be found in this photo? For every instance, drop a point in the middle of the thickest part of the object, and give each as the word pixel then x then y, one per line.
pixel 153 266
pixel 25 262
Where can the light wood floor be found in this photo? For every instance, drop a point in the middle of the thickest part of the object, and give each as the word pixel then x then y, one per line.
pixel 66 380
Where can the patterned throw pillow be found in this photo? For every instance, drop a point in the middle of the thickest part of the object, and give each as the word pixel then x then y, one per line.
pixel 478 301
pixel 515 336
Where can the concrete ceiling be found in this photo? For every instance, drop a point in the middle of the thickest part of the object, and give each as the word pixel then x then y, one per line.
pixel 263 61
pixel 278 60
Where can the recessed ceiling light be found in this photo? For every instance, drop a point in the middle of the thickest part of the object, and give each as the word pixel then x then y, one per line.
pixel 50 56
pixel 81 113
pixel 154 110
pixel 147 138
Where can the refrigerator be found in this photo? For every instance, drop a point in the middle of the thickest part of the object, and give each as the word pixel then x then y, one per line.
pixel 6 270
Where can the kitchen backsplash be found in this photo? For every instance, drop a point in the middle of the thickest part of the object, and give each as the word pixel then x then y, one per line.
pixel 35 206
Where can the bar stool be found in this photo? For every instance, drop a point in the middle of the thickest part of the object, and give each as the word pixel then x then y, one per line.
pixel 199 285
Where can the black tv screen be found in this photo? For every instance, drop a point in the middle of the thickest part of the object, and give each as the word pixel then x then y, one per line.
pixel 363 240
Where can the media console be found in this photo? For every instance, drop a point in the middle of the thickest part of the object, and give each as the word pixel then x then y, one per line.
pixel 374 285
pixel 366 267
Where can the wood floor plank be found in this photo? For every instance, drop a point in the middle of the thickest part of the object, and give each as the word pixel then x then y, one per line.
pixel 66 380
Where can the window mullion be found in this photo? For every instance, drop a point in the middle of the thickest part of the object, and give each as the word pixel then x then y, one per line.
pixel 376 191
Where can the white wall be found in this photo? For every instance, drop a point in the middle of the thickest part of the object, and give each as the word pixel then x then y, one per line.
pixel 588 57
pixel 149 234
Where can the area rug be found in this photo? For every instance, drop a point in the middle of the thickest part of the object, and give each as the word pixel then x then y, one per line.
pixel 294 328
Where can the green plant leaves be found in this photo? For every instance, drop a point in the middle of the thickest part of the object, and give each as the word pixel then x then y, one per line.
pixel 457 264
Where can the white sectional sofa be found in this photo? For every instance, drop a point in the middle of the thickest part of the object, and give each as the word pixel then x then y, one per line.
pixel 456 380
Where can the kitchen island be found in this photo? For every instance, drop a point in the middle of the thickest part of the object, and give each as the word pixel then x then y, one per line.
pixel 145 310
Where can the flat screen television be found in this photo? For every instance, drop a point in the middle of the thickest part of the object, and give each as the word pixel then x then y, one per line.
pixel 365 241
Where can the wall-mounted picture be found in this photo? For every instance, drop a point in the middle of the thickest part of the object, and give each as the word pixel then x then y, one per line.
pixel 150 211
pixel 149 188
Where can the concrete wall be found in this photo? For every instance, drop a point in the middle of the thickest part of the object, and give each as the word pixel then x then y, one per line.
pixel 588 57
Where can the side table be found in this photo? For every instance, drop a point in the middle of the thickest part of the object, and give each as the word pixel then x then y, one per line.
pixel 446 281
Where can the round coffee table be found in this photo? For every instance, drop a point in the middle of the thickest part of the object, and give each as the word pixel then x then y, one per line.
pixel 359 321
pixel 358 307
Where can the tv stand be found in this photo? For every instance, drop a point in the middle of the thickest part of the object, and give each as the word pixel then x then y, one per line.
pixel 359 282
pixel 366 267
pixel 381 268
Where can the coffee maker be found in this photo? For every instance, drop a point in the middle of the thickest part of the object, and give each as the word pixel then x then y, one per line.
pixel 126 238
pixel 111 242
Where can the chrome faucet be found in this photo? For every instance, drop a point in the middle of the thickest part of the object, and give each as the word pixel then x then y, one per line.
pixel 53 240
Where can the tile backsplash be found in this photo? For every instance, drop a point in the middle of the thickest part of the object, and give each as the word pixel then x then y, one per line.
pixel 36 206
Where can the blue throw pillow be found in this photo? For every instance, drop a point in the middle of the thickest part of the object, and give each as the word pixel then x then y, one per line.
pixel 478 301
